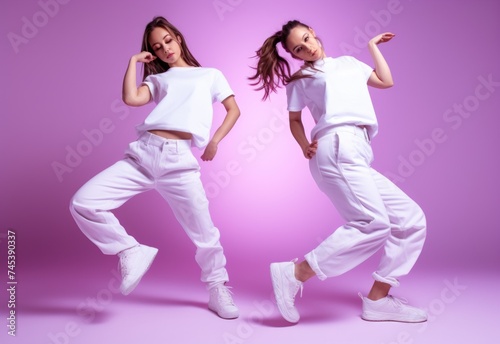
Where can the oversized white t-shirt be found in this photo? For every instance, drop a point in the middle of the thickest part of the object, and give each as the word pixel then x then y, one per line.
pixel 184 98
pixel 336 94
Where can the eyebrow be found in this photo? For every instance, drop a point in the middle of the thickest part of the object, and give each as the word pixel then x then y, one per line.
pixel 305 34
pixel 162 39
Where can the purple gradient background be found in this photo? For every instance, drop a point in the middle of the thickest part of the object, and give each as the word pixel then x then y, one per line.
pixel 67 79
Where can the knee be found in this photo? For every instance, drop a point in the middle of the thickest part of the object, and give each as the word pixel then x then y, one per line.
pixel 417 219
pixel 77 204
pixel 421 223
pixel 379 224
pixel 74 206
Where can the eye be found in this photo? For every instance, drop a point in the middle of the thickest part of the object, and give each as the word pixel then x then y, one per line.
pixel 168 40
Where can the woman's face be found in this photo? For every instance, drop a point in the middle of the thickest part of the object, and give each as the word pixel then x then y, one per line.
pixel 166 47
pixel 303 45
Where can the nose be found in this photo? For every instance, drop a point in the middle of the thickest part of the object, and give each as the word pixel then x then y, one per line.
pixel 165 49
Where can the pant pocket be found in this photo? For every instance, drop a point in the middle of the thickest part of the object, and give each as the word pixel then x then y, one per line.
pixel 135 151
pixel 353 150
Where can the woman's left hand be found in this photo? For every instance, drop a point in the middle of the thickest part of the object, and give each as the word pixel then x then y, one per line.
pixel 209 152
pixel 382 38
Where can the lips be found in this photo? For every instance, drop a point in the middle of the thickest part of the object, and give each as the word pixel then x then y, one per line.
pixel 170 55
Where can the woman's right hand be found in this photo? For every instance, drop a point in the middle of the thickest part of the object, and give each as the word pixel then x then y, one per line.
pixel 144 56
pixel 382 38
pixel 310 150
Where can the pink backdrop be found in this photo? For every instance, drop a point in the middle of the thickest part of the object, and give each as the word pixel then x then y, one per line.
pixel 62 68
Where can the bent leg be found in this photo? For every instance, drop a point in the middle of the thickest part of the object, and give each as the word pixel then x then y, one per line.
pixel 408 231
pixel 341 170
pixel 92 204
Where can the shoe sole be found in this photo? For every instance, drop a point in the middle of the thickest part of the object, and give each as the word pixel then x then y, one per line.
pixel 150 256
pixel 228 316
pixel 378 317
pixel 278 293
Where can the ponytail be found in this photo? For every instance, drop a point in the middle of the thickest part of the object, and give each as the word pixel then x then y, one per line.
pixel 273 71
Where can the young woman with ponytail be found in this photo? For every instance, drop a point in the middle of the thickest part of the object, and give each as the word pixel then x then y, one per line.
pixel 377 214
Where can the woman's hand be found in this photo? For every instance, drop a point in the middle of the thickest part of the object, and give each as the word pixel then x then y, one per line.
pixel 233 113
pixel 144 56
pixel 209 152
pixel 310 150
pixel 382 38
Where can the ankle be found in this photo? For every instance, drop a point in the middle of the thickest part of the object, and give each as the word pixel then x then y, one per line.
pixel 303 271
pixel 379 291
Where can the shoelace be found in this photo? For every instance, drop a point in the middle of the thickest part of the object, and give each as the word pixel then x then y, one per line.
pixel 399 302
pixel 224 295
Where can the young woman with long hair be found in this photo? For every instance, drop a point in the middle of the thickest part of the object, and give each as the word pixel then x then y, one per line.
pixel 378 214
pixel 161 159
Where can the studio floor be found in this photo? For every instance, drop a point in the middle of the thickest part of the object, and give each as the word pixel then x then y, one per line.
pixel 82 305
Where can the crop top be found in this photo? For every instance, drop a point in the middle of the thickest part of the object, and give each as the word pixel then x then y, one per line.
pixel 184 98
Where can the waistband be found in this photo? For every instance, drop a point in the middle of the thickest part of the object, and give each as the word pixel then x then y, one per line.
pixel 158 141
pixel 357 130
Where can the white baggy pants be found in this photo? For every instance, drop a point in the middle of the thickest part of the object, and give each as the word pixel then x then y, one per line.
pixel 168 166
pixel 377 213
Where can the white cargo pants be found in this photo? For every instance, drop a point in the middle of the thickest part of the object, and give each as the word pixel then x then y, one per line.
pixel 378 214
pixel 168 166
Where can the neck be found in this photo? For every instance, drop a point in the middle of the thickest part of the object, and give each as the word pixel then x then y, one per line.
pixel 179 63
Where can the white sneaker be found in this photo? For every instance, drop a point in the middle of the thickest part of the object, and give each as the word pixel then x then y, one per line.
pixel 390 308
pixel 221 302
pixel 285 287
pixel 134 262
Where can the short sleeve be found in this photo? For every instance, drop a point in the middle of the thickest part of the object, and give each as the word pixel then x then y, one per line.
pixel 295 96
pixel 220 88
pixel 149 82
pixel 365 69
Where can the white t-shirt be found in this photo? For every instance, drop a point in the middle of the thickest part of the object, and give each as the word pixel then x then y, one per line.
pixel 336 94
pixel 184 98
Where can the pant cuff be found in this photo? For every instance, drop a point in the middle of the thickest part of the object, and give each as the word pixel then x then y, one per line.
pixel 389 280
pixel 314 266
pixel 211 285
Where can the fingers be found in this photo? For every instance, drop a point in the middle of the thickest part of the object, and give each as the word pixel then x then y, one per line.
pixel 386 37
pixel 149 57
pixel 311 149
pixel 145 57
pixel 208 156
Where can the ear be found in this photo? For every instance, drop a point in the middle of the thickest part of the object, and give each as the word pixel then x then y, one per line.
pixel 312 31
pixel 179 39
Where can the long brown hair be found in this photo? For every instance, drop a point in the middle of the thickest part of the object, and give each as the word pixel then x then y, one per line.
pixel 158 66
pixel 272 70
